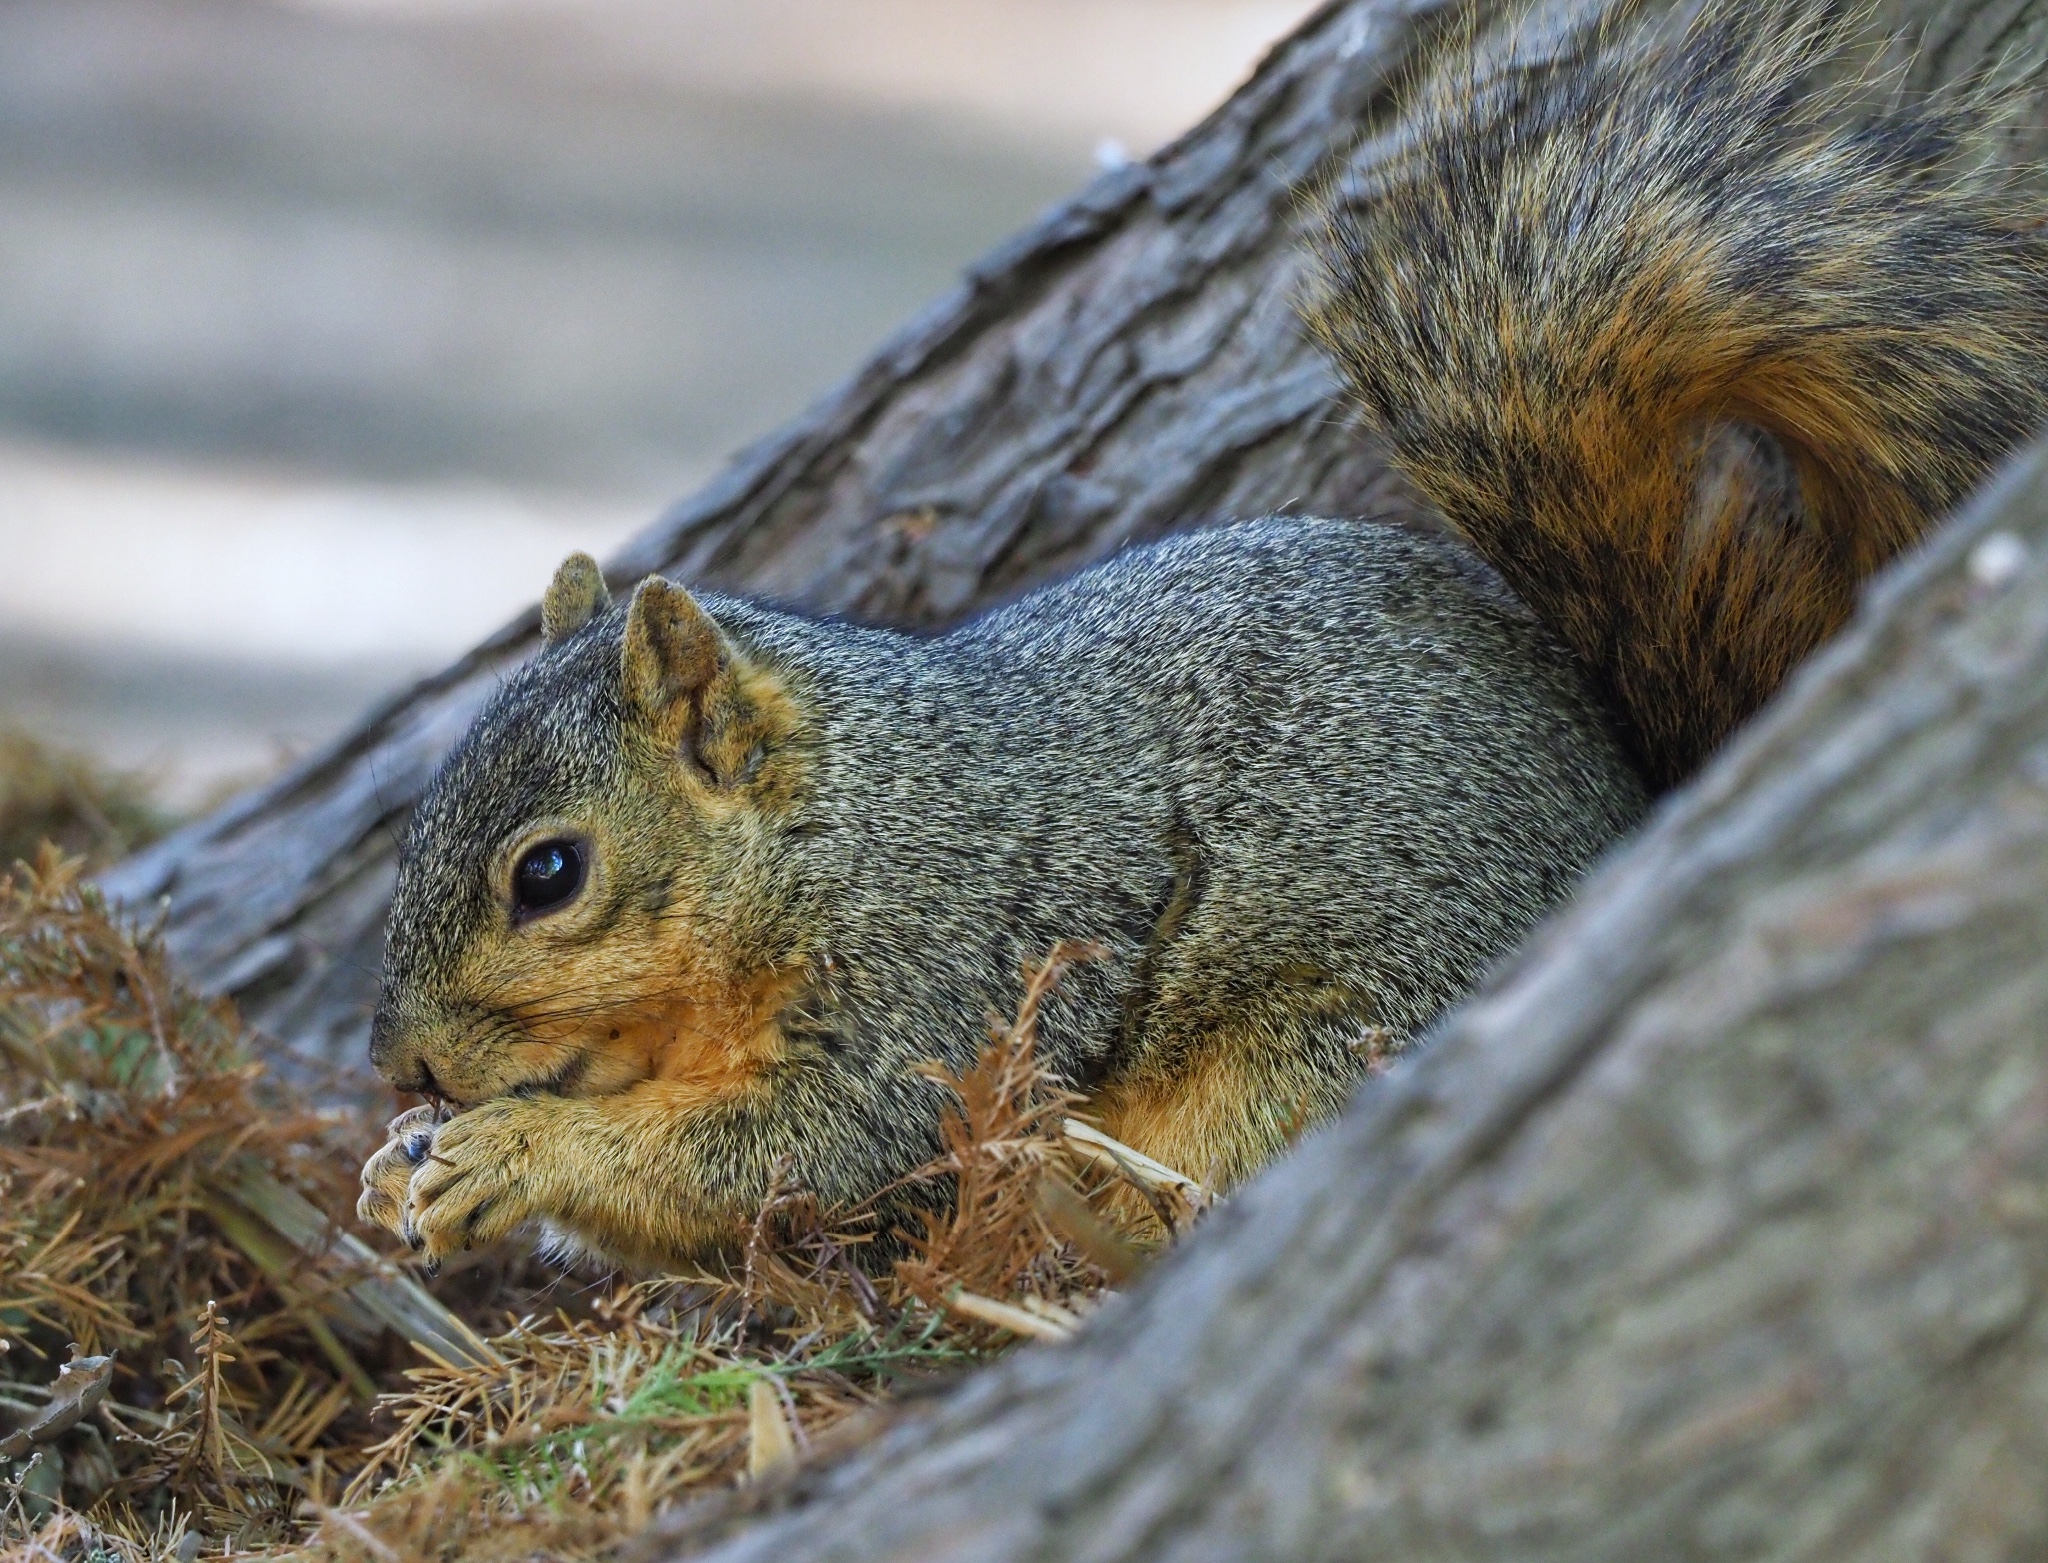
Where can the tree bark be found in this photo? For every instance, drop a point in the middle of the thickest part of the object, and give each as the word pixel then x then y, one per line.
pixel 1718 1229
pixel 1128 365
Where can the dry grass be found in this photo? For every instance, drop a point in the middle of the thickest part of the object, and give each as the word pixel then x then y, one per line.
pixel 129 1114
pixel 162 1206
pixel 48 794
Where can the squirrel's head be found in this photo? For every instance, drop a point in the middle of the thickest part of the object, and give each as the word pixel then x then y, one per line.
pixel 594 890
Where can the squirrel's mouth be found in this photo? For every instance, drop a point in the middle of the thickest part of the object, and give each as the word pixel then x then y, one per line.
pixel 562 1082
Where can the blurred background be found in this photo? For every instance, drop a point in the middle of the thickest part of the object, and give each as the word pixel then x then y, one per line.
pixel 328 326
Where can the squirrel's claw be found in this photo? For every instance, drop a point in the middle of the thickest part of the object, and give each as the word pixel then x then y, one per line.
pixel 388 1174
pixel 476 1183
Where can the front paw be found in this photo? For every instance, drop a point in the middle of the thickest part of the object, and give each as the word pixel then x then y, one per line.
pixel 388 1174
pixel 479 1181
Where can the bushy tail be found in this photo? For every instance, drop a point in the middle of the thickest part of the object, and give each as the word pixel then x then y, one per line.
pixel 1575 294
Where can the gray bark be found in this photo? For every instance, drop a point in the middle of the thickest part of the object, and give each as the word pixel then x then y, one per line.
pixel 1717 1229
pixel 1129 365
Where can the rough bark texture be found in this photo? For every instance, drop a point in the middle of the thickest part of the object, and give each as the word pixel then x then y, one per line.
pixel 1129 365
pixel 1717 1229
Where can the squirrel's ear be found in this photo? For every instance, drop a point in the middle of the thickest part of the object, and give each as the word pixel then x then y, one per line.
pixel 673 650
pixel 575 596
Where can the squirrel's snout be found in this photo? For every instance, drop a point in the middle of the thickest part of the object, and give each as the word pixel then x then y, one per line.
pixel 410 1049
pixel 420 1081
pixel 406 1071
pixel 396 1056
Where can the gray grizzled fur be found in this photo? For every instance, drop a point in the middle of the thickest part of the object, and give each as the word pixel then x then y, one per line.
pixel 1297 777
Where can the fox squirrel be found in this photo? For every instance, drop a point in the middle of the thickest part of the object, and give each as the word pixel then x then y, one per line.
pixel 1682 346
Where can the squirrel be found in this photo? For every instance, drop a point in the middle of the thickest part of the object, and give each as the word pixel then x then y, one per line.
pixel 1682 344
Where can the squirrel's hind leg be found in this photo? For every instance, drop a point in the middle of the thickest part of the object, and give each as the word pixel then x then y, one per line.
pixel 1223 1106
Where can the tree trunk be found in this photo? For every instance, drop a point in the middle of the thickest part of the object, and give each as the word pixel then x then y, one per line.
pixel 1128 365
pixel 1717 1229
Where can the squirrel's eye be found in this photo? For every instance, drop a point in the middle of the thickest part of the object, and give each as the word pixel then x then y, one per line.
pixel 547 877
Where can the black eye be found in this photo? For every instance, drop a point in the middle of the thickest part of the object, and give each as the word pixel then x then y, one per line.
pixel 548 876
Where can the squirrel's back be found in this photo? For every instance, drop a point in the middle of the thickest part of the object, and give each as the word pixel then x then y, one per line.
pixel 1374 757
pixel 1687 343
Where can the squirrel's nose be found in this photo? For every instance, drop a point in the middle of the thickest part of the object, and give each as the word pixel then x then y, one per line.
pixel 412 1073
pixel 426 1085
pixel 416 1077
pixel 392 1059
